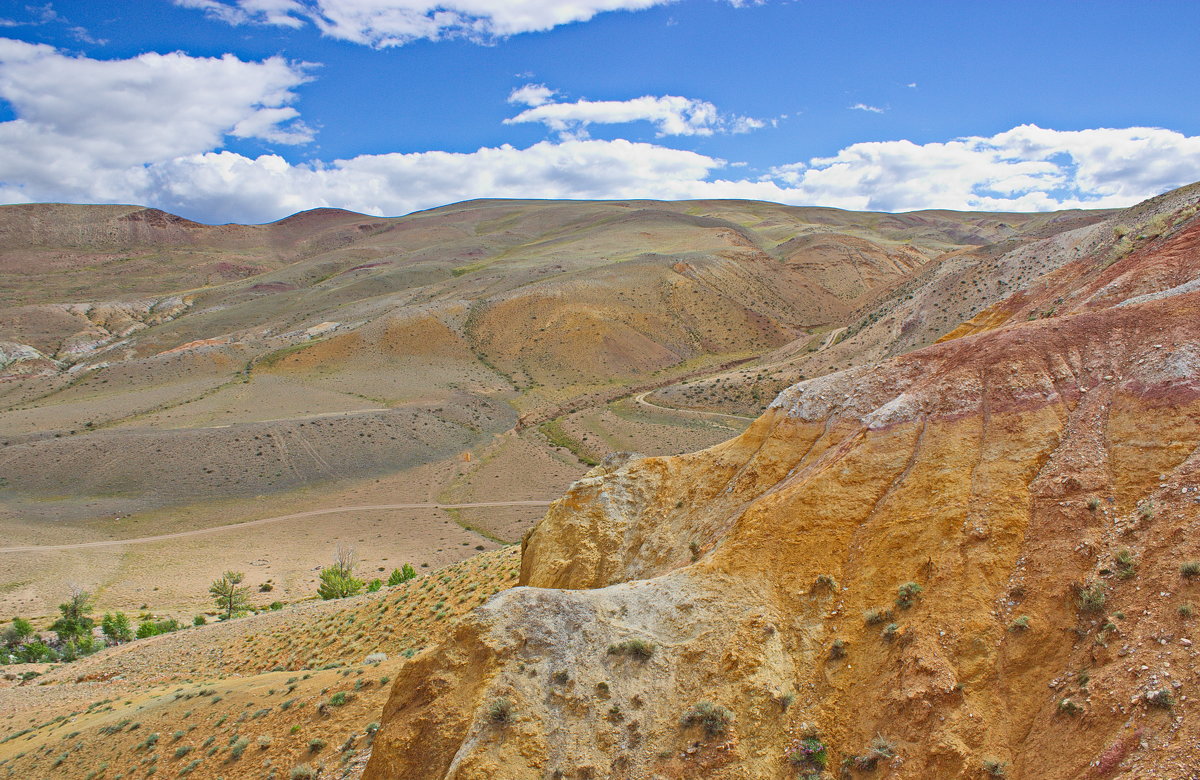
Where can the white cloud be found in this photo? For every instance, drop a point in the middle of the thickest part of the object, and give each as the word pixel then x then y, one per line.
pixel 285 13
pixel 670 114
pixel 1027 168
pixel 88 126
pixel 865 107
pixel 225 186
pixel 531 95
pixel 152 129
pixel 383 23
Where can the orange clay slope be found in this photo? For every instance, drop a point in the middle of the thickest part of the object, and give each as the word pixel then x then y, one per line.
pixel 1039 482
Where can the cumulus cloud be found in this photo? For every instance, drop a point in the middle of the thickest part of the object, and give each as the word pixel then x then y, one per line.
pixel 1027 168
pixel 152 129
pixel 384 23
pixel 531 95
pixel 87 127
pixel 225 186
pixel 670 114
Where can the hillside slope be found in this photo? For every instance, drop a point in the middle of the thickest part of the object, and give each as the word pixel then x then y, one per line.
pixel 157 374
pixel 973 558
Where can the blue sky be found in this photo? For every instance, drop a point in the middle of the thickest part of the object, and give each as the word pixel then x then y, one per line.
pixel 248 110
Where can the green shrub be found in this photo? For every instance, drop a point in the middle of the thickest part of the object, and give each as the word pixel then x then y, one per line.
pixel 1189 568
pixel 876 615
pixel 402 575
pixel 1019 624
pixel 116 627
pixel 809 753
pixel 1160 698
pixel 634 648
pixel 302 772
pixel 713 718
pixel 316 745
pixel 199 620
pixel 500 711
pixel 1091 597
pixel 906 594
pixel 1069 706
pixel 1126 566
pixel 1185 610
pixel 994 768
pixel 238 747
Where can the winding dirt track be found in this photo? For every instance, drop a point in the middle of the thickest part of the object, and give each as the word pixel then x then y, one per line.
pixel 262 521
pixel 641 399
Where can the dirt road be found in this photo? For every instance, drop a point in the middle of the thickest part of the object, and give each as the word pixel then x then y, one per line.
pixel 261 521
pixel 641 399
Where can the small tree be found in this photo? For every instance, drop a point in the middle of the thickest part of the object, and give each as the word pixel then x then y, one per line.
pixel 74 623
pixel 338 584
pixel 338 581
pixel 229 594
pixel 116 627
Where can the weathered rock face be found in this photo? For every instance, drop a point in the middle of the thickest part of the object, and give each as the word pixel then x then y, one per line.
pixel 1040 481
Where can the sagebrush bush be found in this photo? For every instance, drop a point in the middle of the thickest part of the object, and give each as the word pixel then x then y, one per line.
pixel 634 648
pixel 876 615
pixel 714 718
pixel 500 711
pixel 906 594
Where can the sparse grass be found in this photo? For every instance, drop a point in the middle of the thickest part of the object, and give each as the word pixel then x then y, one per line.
pixel 825 581
pixel 837 649
pixel 1126 565
pixel 638 649
pixel 1091 598
pixel 1185 610
pixel 994 768
pixel 713 718
pixel 1189 569
pixel 876 615
pixel 302 772
pixel 500 712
